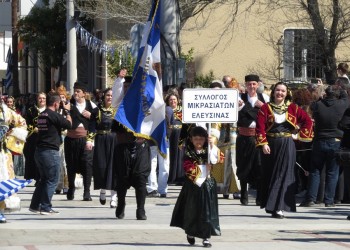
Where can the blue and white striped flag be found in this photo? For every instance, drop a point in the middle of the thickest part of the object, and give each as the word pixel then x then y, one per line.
pixel 8 79
pixel 9 187
pixel 142 109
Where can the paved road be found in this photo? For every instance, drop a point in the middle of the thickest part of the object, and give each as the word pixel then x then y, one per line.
pixel 89 225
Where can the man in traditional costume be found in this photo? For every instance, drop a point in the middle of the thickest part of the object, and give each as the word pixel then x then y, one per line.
pixel 247 156
pixel 78 144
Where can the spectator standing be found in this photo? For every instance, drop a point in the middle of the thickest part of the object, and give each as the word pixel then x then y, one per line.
pixel 327 113
pixel 343 70
pixel 159 186
pixel 50 125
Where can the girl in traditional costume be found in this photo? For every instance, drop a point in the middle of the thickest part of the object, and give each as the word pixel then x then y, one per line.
pixel 196 209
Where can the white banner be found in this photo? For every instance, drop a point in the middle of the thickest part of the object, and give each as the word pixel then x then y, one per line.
pixel 210 105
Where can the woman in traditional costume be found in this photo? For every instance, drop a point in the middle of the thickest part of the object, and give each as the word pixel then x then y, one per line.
pixel 105 141
pixel 176 172
pixel 30 169
pixel 276 122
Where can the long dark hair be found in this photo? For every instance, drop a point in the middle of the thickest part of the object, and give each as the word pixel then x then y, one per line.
pixel 104 94
pixel 288 96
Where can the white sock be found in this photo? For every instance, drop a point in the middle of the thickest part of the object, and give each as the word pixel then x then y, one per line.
pixel 113 195
pixel 280 212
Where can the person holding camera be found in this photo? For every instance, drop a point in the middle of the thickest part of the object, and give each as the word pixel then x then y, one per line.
pixel 50 124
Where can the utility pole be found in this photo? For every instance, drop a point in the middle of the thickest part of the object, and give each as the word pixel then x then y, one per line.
pixel 71 47
pixel 169 26
pixel 15 83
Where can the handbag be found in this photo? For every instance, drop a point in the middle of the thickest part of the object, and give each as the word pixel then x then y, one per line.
pixel 342 157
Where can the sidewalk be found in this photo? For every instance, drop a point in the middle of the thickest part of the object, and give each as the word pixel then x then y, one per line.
pixel 89 225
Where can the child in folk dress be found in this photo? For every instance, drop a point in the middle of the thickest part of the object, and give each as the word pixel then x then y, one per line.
pixel 196 209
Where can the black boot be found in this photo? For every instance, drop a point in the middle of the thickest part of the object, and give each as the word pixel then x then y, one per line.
pixel 119 211
pixel 87 196
pixel 141 214
pixel 244 193
pixel 70 194
pixel 140 200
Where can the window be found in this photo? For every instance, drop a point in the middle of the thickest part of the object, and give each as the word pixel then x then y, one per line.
pixel 301 55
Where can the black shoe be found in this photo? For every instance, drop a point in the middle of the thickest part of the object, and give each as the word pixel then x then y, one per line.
pixel 348 218
pixel 307 204
pixel 58 191
pixel 162 196
pixel 153 194
pixel 87 196
pixel 244 202
pixel 277 216
pixel 206 243
pixel 225 196
pixel 236 195
pixel 119 211
pixel 141 214
pixel 33 210
pixel 191 239
pixel 330 205
pixel 70 194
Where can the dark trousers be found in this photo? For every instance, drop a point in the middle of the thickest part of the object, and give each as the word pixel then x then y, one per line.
pixel 78 160
pixel 133 165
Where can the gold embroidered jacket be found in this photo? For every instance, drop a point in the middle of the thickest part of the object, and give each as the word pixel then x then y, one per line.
pixel 296 116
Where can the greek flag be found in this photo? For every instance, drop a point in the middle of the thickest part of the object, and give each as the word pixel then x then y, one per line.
pixel 9 187
pixel 142 109
pixel 8 79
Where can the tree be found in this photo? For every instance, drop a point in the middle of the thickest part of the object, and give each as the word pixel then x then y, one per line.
pixel 328 18
pixel 44 31
pixel 136 11
pixel 322 15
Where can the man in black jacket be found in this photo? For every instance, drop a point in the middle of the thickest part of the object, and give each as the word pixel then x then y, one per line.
pixel 78 144
pixel 327 113
pixel 247 155
pixel 50 125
